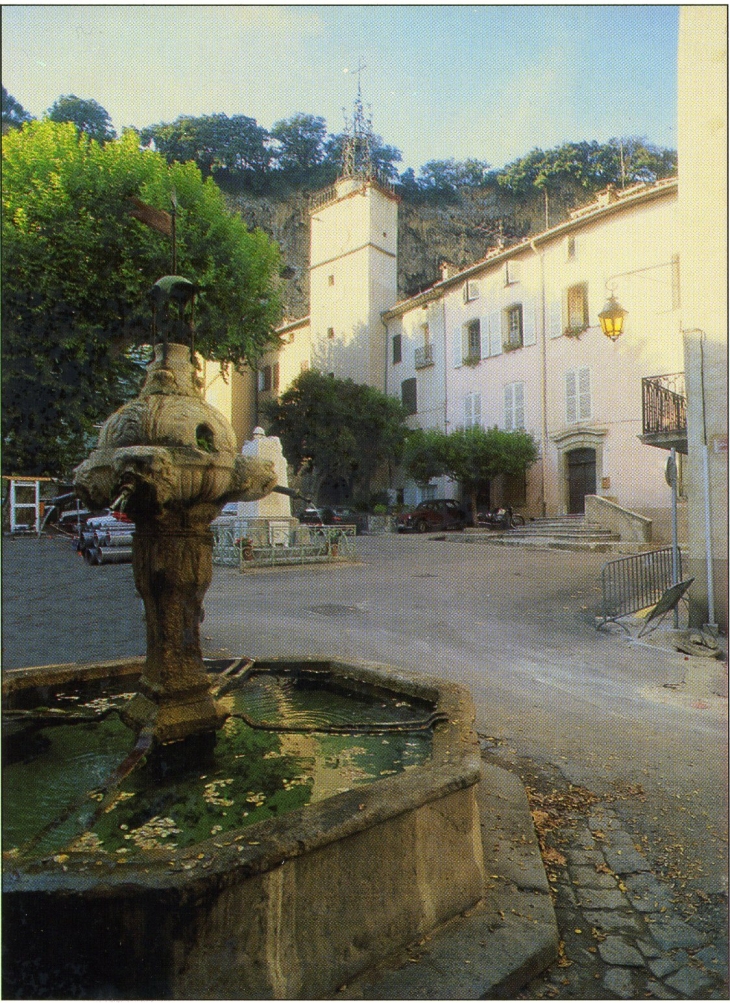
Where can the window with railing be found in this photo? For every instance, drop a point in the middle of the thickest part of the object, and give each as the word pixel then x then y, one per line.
pixel 664 404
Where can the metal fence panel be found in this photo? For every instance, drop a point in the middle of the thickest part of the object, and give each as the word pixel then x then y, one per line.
pixel 633 583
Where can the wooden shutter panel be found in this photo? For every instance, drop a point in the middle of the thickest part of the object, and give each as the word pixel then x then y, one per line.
pixel 468 411
pixel 508 410
pixel 571 398
pixel 584 393
pixel 529 323
pixel 458 347
pixel 476 411
pixel 518 405
pixel 495 333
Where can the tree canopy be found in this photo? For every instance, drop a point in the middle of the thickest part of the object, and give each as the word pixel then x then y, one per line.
pixel 472 456
pixel 14 114
pixel 76 270
pixel 215 143
pixel 340 430
pixel 86 114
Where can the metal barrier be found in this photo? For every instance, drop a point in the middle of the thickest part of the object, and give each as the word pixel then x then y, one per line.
pixel 633 583
pixel 304 545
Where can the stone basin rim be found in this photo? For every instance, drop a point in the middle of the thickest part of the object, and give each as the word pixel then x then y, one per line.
pixel 455 764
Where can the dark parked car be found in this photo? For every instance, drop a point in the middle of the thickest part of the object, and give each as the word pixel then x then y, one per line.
pixel 436 513
pixel 334 515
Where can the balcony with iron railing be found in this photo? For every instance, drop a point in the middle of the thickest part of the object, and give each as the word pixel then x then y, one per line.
pixel 424 356
pixel 664 411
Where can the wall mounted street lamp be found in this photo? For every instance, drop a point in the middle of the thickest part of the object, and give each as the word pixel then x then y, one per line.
pixel 611 318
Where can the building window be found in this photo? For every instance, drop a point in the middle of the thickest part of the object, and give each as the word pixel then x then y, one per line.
pixel 578 395
pixel 576 310
pixel 330 332
pixel 514 406
pixel 265 379
pixel 570 248
pixel 471 291
pixel 471 341
pixel 275 376
pixel 511 272
pixel 397 348
pixel 330 280
pixel 472 410
pixel 408 395
pixel 513 326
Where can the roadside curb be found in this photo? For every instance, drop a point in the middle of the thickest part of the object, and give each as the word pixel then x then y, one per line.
pixel 505 941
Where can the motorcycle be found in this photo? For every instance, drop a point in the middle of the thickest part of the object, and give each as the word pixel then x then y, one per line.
pixel 500 518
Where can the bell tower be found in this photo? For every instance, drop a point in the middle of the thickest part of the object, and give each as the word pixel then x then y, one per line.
pixel 353 262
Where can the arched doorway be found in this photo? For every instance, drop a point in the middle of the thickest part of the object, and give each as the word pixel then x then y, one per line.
pixel 581 478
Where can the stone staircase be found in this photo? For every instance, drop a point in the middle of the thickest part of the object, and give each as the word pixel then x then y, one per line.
pixel 570 532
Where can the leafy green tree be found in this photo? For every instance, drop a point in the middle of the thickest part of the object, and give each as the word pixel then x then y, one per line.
pixel 301 142
pixel 86 114
pixel 216 143
pixel 474 456
pixel 76 272
pixel 14 114
pixel 424 454
pixel 340 430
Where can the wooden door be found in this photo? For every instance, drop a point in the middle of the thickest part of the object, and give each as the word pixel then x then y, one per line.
pixel 581 478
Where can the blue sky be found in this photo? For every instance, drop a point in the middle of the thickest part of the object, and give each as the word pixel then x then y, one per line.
pixel 484 81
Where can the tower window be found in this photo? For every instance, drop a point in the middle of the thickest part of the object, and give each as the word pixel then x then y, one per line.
pixel 397 348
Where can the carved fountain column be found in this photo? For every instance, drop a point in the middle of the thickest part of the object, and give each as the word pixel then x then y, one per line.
pixel 170 461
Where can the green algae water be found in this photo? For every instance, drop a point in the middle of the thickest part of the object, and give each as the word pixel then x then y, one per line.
pixel 273 755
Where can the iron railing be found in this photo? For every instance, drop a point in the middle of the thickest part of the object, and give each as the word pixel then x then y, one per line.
pixel 424 356
pixel 634 583
pixel 664 404
pixel 235 545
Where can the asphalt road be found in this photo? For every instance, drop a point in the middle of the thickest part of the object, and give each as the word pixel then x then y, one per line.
pixel 514 625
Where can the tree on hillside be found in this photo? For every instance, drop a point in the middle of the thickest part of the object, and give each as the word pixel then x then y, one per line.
pixel 301 143
pixel 76 272
pixel 215 143
pixel 342 432
pixel 86 114
pixel 14 114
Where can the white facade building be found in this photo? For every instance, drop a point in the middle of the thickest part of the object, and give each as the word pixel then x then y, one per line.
pixel 514 341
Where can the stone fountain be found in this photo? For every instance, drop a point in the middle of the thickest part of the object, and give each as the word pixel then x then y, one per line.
pixel 289 907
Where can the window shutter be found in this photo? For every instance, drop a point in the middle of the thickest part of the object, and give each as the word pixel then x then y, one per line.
pixel 571 398
pixel 508 400
pixel 584 393
pixel 495 333
pixel 458 347
pixel 556 319
pixel 529 323
pixel 477 409
pixel 518 400
pixel 468 411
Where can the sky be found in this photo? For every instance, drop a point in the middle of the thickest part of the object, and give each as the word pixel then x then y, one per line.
pixel 489 82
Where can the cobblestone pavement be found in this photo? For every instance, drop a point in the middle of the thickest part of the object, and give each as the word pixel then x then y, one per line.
pixel 628 931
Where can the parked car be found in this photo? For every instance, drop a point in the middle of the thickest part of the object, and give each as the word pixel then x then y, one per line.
pixel 343 515
pixel 436 513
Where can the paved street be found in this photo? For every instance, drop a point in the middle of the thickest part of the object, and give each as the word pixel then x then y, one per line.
pixel 622 744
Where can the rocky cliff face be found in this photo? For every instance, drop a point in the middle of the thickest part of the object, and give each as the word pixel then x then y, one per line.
pixel 427 235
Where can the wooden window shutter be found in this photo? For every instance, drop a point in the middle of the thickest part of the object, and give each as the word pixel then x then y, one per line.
pixel 584 393
pixel 495 333
pixel 571 398
pixel 529 323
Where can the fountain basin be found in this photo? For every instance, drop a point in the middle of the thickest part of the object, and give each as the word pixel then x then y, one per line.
pixel 292 907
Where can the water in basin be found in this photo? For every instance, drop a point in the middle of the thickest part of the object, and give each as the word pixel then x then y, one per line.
pixel 291 739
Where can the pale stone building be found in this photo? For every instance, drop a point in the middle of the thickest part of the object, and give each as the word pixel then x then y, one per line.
pixel 514 341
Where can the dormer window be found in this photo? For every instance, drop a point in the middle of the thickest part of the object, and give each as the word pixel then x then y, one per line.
pixel 511 272
pixel 471 291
